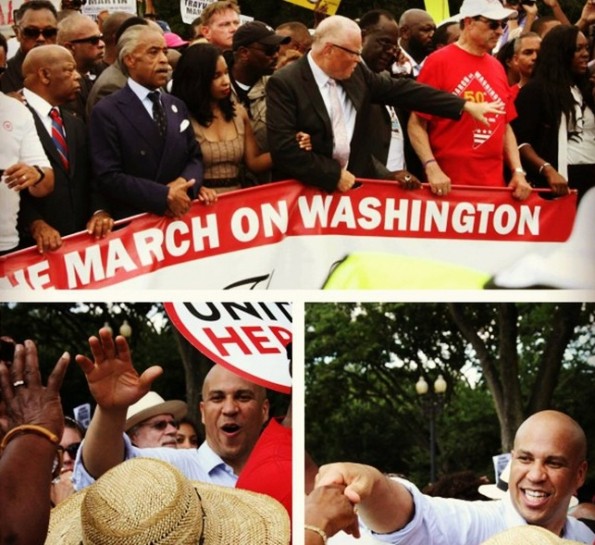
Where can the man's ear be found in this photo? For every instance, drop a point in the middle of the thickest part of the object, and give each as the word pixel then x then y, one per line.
pixel 202 413
pixel 265 410
pixel 205 31
pixel 44 75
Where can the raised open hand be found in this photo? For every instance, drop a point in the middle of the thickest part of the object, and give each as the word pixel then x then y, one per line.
pixel 113 381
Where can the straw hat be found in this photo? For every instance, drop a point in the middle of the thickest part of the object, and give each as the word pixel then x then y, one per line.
pixel 527 535
pixel 152 404
pixel 499 490
pixel 145 501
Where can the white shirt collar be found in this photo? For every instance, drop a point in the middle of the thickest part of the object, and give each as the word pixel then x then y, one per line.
pixel 139 90
pixel 320 76
pixel 39 104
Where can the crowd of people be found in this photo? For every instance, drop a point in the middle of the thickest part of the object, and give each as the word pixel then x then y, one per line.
pixel 214 493
pixel 129 117
pixel 102 120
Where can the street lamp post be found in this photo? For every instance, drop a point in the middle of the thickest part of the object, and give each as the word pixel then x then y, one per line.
pixel 432 404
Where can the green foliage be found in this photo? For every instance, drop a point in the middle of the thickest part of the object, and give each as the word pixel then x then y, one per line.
pixel 60 327
pixel 362 362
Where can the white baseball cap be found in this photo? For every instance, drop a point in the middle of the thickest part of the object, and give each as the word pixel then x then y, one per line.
pixel 491 9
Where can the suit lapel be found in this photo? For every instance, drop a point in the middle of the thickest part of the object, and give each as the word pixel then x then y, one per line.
pixel 353 92
pixel 132 110
pixel 311 88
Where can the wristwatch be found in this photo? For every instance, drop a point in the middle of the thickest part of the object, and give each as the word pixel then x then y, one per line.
pixel 519 170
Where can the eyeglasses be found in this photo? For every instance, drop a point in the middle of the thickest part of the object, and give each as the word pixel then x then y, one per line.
pixel 71 449
pixel 93 40
pixel 347 50
pixel 32 32
pixel 161 425
pixel 492 25
pixel 268 50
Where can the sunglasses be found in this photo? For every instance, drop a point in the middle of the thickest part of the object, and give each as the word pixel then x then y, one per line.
pixel 492 25
pixel 161 425
pixel 71 449
pixel 268 50
pixel 93 40
pixel 33 32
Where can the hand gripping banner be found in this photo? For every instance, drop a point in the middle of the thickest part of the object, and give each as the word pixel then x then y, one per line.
pixel 287 235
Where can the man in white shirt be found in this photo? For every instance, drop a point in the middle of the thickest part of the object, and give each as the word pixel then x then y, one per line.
pixel 548 465
pixel 24 166
pixel 233 412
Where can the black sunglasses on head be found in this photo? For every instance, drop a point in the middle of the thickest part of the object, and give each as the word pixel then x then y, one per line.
pixel 32 32
pixel 93 40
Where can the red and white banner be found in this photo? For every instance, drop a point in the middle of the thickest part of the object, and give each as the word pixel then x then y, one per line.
pixel 249 339
pixel 289 236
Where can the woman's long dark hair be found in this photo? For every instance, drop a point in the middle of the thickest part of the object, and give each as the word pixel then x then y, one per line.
pixel 192 80
pixel 554 71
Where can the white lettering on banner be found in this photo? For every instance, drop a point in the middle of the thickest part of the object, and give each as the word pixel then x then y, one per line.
pixel 413 215
pixel 259 217
pixel 372 218
pixel 152 245
pixel 37 274
pixel 273 218
pixel 314 210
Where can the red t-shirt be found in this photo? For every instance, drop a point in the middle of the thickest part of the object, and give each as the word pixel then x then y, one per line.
pixel 268 469
pixel 467 151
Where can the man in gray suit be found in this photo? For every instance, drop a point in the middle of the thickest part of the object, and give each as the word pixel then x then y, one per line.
pixel 300 98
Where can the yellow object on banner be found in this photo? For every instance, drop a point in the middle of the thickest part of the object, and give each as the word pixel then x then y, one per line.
pixel 374 271
pixel 328 7
pixel 438 9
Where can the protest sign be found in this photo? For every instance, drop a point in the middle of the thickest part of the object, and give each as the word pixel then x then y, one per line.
pixel 328 7
pixel 249 339
pixel 94 7
pixel 289 236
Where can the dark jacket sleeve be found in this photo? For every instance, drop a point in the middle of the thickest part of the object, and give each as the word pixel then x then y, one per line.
pixel 408 94
pixel 289 110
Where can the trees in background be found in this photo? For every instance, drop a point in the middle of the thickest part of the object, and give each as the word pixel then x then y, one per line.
pixel 501 361
pixel 59 327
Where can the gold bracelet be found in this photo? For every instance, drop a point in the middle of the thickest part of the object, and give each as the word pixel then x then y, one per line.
pixel 29 428
pixel 317 530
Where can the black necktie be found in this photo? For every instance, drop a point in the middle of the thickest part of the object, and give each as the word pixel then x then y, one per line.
pixel 158 113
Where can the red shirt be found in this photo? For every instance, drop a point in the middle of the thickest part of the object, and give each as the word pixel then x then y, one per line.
pixel 467 151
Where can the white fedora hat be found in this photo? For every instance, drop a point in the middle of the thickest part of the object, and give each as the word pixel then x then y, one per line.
pixel 152 404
